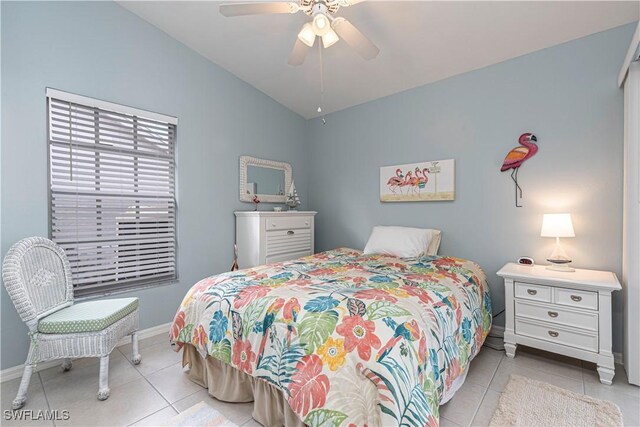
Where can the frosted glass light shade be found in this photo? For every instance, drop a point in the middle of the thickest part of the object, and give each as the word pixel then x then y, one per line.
pixel 330 38
pixel 557 225
pixel 307 35
pixel 320 24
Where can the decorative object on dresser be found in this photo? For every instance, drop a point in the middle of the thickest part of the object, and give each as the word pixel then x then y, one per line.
pixel 264 179
pixel 293 201
pixel 558 225
pixel 266 237
pixel 256 202
pixel 560 313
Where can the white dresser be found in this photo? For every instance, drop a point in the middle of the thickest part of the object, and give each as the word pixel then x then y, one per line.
pixel 264 237
pixel 563 312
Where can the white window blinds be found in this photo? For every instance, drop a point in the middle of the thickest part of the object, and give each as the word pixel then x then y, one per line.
pixel 112 193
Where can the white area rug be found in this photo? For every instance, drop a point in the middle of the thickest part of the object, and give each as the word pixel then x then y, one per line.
pixel 200 414
pixel 528 402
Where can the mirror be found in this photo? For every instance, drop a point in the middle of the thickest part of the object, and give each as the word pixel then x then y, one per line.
pixel 267 179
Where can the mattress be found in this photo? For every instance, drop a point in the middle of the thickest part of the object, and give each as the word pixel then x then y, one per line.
pixel 345 338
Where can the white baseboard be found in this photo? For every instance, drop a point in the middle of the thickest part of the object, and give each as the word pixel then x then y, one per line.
pixel 497 331
pixel 148 333
pixel 618 358
pixel 16 371
pixel 495 339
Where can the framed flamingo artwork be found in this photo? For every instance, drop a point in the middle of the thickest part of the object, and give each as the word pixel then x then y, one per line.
pixel 418 182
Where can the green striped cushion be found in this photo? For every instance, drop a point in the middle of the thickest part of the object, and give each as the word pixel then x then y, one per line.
pixel 89 316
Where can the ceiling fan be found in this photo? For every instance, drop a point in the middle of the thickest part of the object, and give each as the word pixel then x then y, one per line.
pixel 323 24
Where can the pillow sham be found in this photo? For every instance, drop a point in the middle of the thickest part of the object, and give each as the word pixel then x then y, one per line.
pixel 403 242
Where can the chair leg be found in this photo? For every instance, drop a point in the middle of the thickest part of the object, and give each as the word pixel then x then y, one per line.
pixel 135 358
pixel 21 398
pixel 103 390
pixel 66 365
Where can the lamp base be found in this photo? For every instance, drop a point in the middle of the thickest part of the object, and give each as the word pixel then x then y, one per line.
pixel 560 265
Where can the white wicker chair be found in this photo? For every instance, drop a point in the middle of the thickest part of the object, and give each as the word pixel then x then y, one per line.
pixel 37 276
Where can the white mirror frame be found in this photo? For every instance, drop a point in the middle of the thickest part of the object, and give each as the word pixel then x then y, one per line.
pixel 263 163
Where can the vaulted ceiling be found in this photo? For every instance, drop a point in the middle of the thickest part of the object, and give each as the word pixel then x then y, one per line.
pixel 420 42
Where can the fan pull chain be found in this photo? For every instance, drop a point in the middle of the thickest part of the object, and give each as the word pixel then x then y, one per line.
pixel 321 107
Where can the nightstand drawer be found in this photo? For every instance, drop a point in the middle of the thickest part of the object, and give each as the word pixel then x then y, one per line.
pixel 559 335
pixel 557 314
pixel 532 292
pixel 576 298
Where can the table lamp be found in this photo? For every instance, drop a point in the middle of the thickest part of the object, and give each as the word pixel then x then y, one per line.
pixel 558 225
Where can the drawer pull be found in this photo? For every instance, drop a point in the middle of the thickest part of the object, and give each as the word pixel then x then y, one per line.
pixel 532 291
pixel 290 232
pixel 552 313
pixel 553 334
pixel 576 298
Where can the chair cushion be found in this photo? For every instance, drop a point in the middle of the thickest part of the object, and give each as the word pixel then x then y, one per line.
pixel 89 316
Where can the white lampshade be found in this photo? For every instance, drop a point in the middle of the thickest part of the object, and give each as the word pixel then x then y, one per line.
pixel 557 225
pixel 307 35
pixel 330 38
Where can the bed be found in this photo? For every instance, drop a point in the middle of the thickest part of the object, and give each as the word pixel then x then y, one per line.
pixel 338 338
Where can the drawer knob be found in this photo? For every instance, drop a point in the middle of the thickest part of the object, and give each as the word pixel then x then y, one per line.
pixel 552 313
pixel 576 298
pixel 553 334
pixel 273 225
pixel 290 232
pixel 532 291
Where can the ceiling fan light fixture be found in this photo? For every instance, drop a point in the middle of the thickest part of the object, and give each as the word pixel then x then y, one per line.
pixel 330 38
pixel 321 24
pixel 307 35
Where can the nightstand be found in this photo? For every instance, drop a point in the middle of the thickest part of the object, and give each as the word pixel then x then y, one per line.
pixel 560 312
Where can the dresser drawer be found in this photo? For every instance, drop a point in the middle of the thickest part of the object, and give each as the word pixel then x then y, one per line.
pixel 557 334
pixel 288 223
pixel 286 241
pixel 557 314
pixel 576 298
pixel 533 292
pixel 287 256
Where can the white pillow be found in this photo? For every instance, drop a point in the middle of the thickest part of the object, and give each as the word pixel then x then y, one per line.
pixel 403 242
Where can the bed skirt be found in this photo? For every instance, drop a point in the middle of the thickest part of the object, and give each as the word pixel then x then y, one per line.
pixel 270 407
pixel 226 383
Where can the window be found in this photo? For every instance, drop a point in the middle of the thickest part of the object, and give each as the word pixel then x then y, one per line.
pixel 112 193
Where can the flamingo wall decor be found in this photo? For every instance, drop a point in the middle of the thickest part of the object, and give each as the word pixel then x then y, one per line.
pixel 418 182
pixel 517 156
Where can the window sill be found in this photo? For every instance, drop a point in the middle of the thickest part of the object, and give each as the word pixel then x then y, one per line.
pixel 124 290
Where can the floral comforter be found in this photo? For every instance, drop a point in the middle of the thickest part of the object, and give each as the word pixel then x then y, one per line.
pixel 317 327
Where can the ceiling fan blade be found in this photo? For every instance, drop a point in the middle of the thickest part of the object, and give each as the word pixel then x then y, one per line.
pixel 354 38
pixel 299 53
pixel 346 3
pixel 239 9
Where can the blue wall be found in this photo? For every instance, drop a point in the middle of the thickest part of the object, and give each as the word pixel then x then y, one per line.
pixel 99 49
pixel 567 95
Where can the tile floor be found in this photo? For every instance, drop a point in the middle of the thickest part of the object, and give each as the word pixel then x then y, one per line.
pixel 154 391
